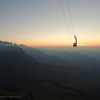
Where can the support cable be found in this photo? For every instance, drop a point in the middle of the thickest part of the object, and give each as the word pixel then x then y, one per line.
pixel 79 56
pixel 66 23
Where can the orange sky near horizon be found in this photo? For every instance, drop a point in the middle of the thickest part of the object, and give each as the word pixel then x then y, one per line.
pixel 52 44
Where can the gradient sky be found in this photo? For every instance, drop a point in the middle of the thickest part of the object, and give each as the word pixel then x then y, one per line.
pixel 42 23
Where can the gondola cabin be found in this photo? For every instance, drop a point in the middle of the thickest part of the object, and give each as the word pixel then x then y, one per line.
pixel 74 44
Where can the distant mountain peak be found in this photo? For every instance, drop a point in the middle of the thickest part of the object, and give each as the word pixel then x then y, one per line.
pixel 6 43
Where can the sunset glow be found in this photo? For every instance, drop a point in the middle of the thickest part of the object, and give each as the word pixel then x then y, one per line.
pixel 46 23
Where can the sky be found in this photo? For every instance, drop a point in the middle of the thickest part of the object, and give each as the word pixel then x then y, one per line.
pixel 48 22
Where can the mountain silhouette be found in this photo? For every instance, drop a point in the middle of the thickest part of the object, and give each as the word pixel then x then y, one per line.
pixel 43 57
pixel 21 71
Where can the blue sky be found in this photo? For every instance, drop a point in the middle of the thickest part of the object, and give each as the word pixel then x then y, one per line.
pixel 41 22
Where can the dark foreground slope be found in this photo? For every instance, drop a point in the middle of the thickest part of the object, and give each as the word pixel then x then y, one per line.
pixel 24 78
pixel 44 89
pixel 21 74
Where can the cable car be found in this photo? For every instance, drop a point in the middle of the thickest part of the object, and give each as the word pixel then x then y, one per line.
pixel 75 44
